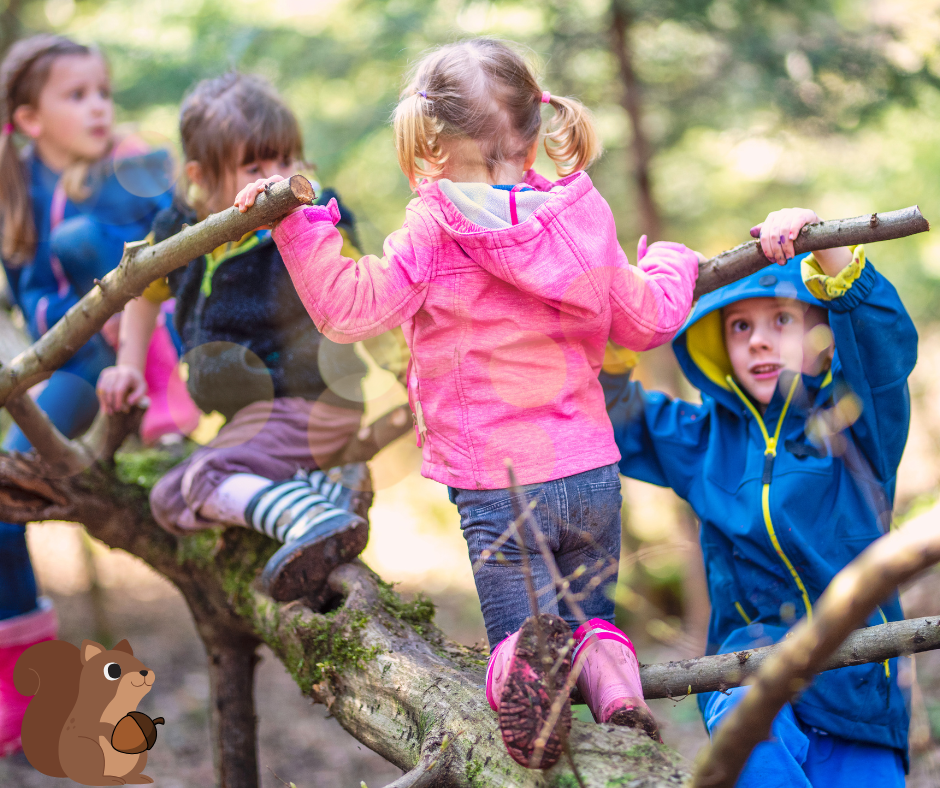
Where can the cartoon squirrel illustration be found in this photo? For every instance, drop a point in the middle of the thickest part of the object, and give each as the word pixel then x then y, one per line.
pixel 80 696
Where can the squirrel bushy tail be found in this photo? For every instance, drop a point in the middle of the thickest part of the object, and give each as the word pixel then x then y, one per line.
pixel 51 671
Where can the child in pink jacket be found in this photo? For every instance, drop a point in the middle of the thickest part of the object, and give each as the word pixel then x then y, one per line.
pixel 508 286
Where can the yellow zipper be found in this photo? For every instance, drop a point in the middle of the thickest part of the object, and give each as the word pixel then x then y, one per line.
pixel 885 619
pixel 770 452
pixel 744 615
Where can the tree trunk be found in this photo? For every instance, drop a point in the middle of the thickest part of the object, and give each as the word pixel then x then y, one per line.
pixel 234 723
pixel 632 102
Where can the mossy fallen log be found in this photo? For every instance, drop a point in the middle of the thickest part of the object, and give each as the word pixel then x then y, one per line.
pixel 377 662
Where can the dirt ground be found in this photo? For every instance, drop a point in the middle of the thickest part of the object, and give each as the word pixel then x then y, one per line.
pixel 298 742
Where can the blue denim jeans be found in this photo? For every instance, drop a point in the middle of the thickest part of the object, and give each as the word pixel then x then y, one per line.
pixel 579 517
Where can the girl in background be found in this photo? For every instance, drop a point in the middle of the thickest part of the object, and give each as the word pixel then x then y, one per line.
pixel 508 286
pixel 64 218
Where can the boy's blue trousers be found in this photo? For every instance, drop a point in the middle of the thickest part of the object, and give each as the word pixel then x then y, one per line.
pixel 69 400
pixel 797 756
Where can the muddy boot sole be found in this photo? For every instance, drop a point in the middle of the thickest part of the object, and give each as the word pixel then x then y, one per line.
pixel 638 717
pixel 299 570
pixel 526 700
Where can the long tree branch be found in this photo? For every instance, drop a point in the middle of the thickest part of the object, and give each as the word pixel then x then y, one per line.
pixel 849 600
pixel 61 456
pixel 724 671
pixel 747 258
pixel 141 265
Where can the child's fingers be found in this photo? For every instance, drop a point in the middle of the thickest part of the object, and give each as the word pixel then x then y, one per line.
pixel 766 243
pixel 772 239
pixel 755 230
pixel 138 389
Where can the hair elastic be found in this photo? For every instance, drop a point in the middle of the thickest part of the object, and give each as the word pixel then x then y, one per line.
pixel 8 128
pixel 546 97
pixel 422 93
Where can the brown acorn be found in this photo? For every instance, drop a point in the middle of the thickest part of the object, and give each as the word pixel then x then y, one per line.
pixel 135 733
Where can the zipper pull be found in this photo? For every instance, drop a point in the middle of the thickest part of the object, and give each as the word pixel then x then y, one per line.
pixel 768 476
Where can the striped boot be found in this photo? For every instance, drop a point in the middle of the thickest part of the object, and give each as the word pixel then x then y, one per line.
pixel 349 486
pixel 318 536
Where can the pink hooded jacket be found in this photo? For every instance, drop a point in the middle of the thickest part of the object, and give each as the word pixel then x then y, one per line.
pixel 507 301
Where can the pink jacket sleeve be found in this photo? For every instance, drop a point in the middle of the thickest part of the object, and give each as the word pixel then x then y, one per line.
pixel 650 301
pixel 350 300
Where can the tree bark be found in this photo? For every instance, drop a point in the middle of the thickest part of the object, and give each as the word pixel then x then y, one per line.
pixel 850 599
pixel 632 101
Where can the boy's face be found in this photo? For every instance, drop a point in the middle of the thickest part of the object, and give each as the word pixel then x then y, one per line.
pixel 764 336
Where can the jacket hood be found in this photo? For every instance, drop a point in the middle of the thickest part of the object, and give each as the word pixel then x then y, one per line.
pixel 523 236
pixel 700 345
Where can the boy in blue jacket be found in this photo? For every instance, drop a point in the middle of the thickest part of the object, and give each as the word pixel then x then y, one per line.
pixel 790 463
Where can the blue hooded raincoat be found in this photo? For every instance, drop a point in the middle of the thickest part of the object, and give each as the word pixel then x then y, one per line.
pixel 784 506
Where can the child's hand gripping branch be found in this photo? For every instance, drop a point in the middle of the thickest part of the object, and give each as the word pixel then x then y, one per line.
pixel 779 230
pixel 247 196
pixel 123 386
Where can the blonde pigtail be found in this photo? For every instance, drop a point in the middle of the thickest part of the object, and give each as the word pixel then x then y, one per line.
pixel 417 136
pixel 571 139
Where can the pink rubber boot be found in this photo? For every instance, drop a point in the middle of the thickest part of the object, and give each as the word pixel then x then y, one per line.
pixel 16 635
pixel 171 409
pixel 610 677
pixel 518 681
pixel 497 671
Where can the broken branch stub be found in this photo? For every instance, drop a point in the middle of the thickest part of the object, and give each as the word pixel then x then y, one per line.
pixel 747 258
pixel 141 265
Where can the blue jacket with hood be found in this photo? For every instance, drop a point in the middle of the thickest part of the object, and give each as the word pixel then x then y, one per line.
pixel 784 502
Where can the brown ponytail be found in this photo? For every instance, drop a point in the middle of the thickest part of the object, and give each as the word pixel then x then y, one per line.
pixel 23 75
pixel 482 90
pixel 571 140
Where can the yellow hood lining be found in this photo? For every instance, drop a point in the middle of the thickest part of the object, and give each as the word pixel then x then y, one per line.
pixel 705 341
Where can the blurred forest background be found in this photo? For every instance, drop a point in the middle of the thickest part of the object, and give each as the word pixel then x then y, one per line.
pixel 712 114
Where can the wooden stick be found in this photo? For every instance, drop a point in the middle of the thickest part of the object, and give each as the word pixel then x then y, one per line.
pixel 850 599
pixel 724 671
pixel 141 265
pixel 747 258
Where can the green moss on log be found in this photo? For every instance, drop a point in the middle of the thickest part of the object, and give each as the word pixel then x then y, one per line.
pixel 145 467
pixel 419 612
